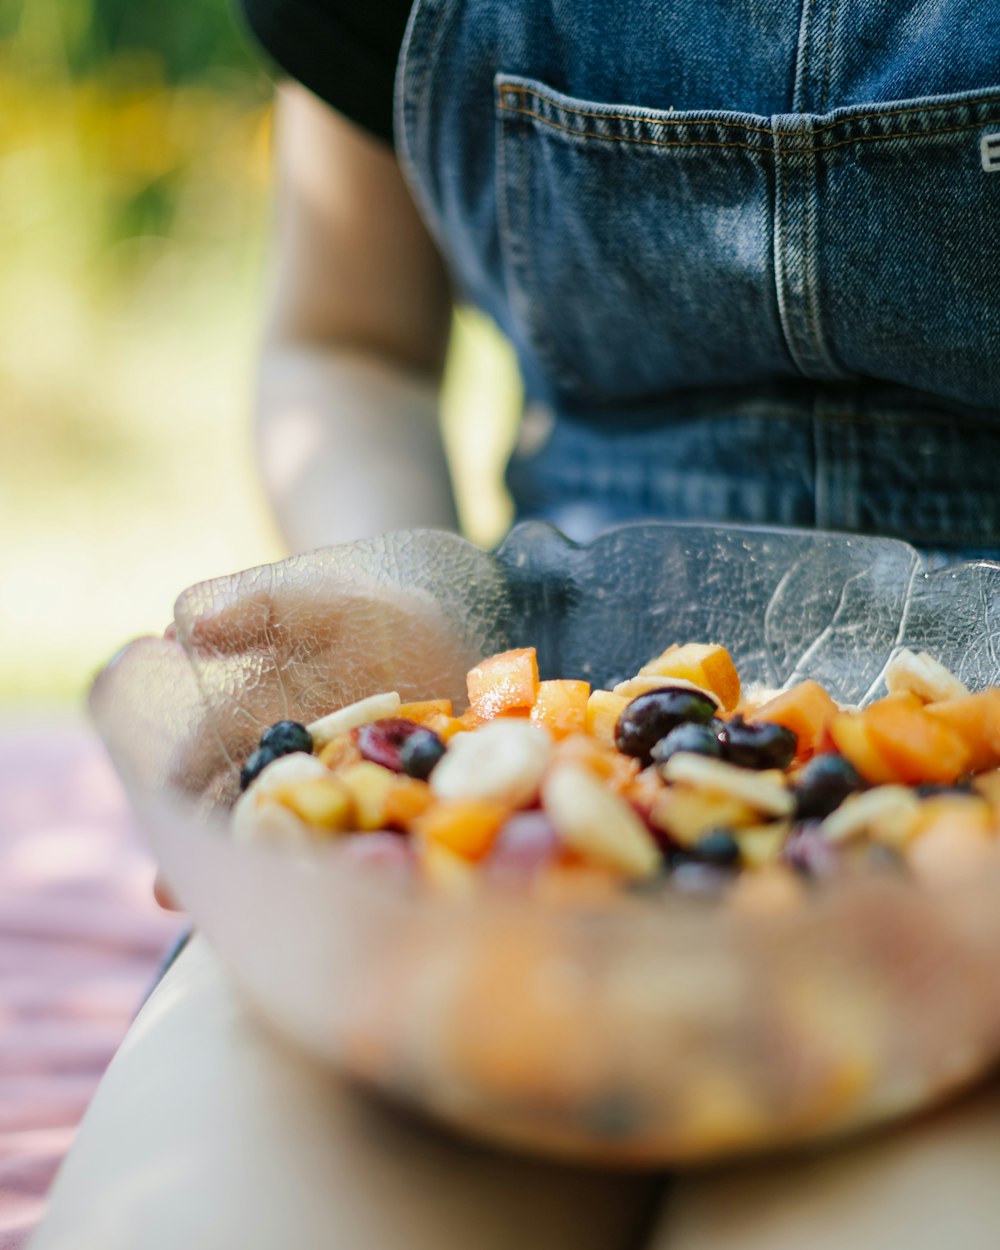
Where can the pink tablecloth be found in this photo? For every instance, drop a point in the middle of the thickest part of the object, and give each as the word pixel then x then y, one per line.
pixel 80 941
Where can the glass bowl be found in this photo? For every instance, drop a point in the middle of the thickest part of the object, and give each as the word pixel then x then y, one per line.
pixel 652 1030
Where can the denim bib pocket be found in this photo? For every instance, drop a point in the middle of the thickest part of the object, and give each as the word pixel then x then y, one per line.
pixel 906 267
pixel 647 251
pixel 637 243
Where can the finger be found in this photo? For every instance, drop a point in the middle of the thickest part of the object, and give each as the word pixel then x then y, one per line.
pixel 162 894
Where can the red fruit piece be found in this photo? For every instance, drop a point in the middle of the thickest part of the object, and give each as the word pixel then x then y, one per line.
pixel 526 844
pixel 381 741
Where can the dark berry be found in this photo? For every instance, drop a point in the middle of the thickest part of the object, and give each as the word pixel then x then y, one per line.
pixel 653 715
pixel 286 737
pixel 382 741
pixel 757 744
pixel 811 854
pixel 718 847
pixel 701 739
pixel 420 752
pixel 823 785
pixel 255 765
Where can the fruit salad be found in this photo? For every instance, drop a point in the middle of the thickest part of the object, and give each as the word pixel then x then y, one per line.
pixel 676 781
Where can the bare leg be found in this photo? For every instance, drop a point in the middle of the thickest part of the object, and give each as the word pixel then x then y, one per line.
pixel 925 1186
pixel 209 1132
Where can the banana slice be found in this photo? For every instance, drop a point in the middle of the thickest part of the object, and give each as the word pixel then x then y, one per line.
pixel 504 759
pixel 375 707
pixel 884 804
pixel 267 821
pixel 286 770
pixel 597 823
pixel 641 684
pixel 765 794
pixel 924 676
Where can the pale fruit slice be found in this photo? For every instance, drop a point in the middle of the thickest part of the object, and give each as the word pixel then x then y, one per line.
pixel 603 710
pixel 503 760
pixel 286 770
pixel 268 822
pixel 598 824
pixel 375 707
pixel 686 814
pixel 322 802
pixel 924 676
pixel 641 684
pixel 369 786
pixel 762 844
pixel 764 794
pixel 708 665
pixel 890 807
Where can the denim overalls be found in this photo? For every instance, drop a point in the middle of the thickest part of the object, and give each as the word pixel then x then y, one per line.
pixel 748 251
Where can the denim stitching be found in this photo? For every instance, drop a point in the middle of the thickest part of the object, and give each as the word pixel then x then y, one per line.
pixel 750 147
pixel 622 117
pixel 910 110
pixel 829 56
pixel 807 44
pixel 653 143
pixel 808 262
pixel 907 134
pixel 781 275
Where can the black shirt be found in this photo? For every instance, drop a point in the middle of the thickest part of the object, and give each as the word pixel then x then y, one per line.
pixel 343 51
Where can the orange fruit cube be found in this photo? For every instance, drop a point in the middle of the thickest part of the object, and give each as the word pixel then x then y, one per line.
pixel 561 707
pixel 807 710
pixel 618 770
pixel 445 726
pixel 976 720
pixel 852 738
pixel 704 664
pixel 917 747
pixel 502 683
pixel 422 710
pixel 405 800
pixel 466 827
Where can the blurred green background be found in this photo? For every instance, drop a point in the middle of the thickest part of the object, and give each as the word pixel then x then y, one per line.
pixel 134 190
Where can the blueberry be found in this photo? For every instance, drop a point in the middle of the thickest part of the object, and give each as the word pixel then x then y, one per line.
pixel 757 744
pixel 286 737
pixel 701 739
pixel 420 752
pixel 652 715
pixel 382 741
pixel 718 847
pixel 255 765
pixel 823 785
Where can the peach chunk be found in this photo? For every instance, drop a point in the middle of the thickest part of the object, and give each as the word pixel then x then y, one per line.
pixel 807 710
pixel 503 683
pixel 918 748
pixel 707 665
pixel 561 707
pixel 466 827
